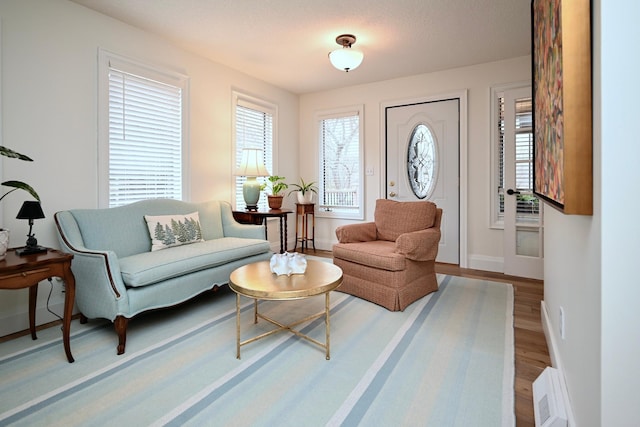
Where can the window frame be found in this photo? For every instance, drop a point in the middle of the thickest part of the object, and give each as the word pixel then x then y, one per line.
pixel 246 100
pixel 346 111
pixel 152 72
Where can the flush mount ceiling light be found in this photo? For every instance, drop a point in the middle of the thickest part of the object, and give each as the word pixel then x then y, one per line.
pixel 346 58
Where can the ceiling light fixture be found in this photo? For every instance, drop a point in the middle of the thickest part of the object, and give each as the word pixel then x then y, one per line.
pixel 346 58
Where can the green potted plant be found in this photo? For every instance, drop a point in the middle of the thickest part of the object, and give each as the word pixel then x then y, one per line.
pixel 14 185
pixel 17 185
pixel 305 191
pixel 277 185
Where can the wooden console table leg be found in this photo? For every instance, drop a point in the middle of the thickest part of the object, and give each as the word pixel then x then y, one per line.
pixel 313 230
pixel 33 296
pixel 69 298
pixel 282 241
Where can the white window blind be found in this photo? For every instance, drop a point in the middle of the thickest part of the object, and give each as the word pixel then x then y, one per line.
pixel 145 139
pixel 254 128
pixel 340 182
pixel 525 202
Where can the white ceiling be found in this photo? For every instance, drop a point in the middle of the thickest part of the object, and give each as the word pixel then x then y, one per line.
pixel 286 42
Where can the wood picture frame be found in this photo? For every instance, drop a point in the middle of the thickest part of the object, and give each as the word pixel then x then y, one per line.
pixel 562 120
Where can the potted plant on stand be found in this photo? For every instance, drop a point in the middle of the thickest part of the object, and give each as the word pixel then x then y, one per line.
pixel 277 185
pixel 305 191
pixel 15 185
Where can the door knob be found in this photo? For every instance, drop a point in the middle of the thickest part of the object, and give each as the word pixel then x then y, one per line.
pixel 511 192
pixel 392 194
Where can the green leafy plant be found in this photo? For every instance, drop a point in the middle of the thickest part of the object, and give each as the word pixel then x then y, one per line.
pixel 276 183
pixel 17 185
pixel 304 187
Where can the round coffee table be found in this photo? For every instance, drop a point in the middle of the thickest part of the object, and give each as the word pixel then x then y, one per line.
pixel 258 282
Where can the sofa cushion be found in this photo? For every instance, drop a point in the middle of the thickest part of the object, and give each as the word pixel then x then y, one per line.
pixel 151 267
pixel 379 254
pixel 167 231
pixel 394 218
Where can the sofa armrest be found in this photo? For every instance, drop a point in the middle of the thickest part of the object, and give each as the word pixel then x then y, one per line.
pixel 419 245
pixel 351 233
pixel 100 291
pixel 233 228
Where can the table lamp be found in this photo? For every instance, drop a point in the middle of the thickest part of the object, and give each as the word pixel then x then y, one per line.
pixel 251 166
pixel 30 210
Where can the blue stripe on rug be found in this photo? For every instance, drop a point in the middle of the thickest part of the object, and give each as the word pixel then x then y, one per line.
pixel 76 387
pixel 48 345
pixel 350 414
pixel 180 417
pixel 446 360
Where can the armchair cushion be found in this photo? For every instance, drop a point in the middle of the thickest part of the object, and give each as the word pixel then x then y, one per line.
pixel 378 254
pixel 392 220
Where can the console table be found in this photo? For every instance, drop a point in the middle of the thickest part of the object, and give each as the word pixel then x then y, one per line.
pixel 26 271
pixel 260 217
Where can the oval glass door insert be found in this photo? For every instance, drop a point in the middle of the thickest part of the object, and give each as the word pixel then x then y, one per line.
pixel 422 161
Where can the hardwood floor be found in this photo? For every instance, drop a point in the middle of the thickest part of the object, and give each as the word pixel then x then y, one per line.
pixel 531 353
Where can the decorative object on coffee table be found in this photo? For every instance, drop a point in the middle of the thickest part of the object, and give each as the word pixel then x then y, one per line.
pixel 288 263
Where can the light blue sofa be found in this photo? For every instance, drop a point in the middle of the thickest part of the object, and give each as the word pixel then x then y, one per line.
pixel 118 276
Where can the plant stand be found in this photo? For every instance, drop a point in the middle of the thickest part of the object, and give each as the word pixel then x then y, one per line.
pixel 303 211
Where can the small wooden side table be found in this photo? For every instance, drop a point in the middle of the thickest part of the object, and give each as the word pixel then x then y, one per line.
pixel 260 217
pixel 303 211
pixel 26 271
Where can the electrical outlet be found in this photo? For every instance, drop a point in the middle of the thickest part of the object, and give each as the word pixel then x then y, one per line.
pixel 562 329
pixel 368 171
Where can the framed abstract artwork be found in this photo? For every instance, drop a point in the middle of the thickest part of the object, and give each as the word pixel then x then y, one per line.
pixel 561 71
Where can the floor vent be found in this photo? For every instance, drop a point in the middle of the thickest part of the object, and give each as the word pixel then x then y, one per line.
pixel 548 399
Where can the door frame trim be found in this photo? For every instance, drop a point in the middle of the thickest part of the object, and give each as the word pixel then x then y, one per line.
pixel 461 95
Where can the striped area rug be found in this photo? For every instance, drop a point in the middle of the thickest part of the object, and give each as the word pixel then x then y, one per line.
pixel 447 360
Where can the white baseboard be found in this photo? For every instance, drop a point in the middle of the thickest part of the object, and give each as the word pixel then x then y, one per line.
pixel 486 263
pixel 556 360
pixel 20 321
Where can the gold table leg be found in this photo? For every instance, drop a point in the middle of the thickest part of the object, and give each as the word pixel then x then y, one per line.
pixel 237 326
pixel 282 327
pixel 327 325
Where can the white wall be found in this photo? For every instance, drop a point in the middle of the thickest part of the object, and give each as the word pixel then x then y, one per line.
pixel 591 261
pixel 483 243
pixel 620 234
pixel 49 111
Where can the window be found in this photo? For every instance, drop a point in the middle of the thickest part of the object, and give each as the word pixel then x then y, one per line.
pixel 526 203
pixel 142 136
pixel 255 124
pixel 340 182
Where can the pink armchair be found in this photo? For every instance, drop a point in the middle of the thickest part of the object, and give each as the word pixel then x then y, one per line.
pixel 391 261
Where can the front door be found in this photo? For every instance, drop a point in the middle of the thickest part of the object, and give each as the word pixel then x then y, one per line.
pixel 422 163
pixel 523 225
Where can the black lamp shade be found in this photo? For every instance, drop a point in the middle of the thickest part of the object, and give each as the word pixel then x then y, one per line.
pixel 30 210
